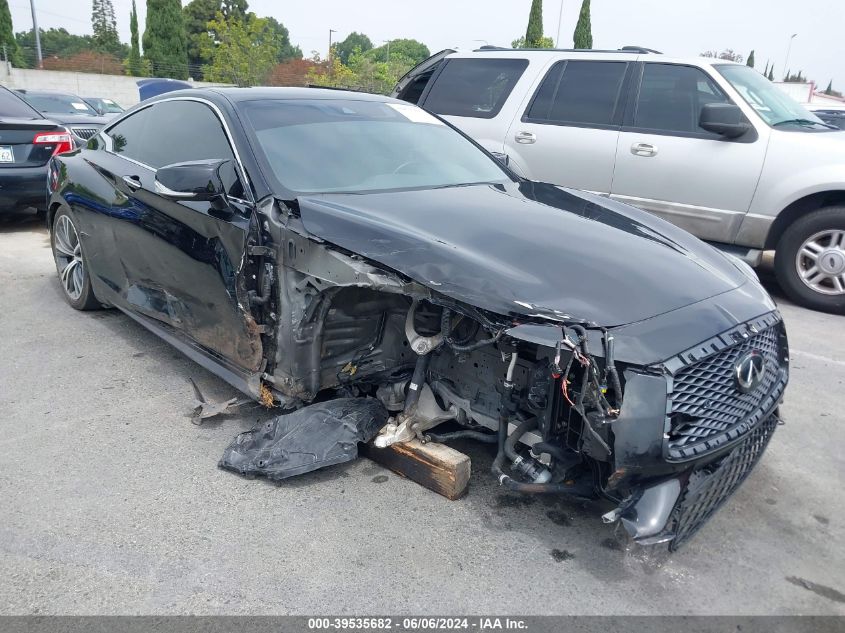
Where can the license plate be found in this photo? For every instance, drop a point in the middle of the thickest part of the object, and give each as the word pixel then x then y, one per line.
pixel 6 154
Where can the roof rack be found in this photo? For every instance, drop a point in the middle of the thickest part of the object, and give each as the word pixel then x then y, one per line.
pixel 624 49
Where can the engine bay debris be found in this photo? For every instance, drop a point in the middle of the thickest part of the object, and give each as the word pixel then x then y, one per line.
pixel 310 438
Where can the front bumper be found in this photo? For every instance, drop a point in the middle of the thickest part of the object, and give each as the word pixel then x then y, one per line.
pixel 675 509
pixel 710 433
pixel 23 187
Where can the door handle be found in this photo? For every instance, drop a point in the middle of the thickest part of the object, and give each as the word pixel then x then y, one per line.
pixel 526 138
pixel 133 182
pixel 643 149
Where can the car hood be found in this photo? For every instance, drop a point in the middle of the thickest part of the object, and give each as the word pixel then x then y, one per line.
pixel 529 249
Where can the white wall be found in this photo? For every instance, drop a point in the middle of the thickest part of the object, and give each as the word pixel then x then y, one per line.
pixel 120 88
pixel 802 93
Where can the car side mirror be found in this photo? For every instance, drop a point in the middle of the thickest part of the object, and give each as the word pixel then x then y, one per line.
pixel 197 181
pixel 724 119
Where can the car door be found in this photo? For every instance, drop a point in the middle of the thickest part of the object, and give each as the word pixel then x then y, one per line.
pixel 181 262
pixel 667 164
pixel 570 124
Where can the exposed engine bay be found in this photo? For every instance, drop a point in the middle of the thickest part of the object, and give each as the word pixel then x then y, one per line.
pixel 542 388
pixel 360 331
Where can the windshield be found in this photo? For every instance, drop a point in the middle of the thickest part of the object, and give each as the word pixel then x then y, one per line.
pixel 343 145
pixel 12 106
pixel 60 104
pixel 105 105
pixel 772 104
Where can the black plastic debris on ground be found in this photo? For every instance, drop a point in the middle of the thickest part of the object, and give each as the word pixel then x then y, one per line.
pixel 313 437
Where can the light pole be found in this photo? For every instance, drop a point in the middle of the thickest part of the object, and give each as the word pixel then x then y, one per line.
pixel 37 35
pixel 559 18
pixel 788 50
pixel 388 49
pixel 330 45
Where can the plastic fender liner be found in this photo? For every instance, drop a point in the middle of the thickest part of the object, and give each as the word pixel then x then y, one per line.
pixel 312 437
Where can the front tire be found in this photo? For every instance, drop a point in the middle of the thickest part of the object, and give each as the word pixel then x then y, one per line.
pixel 70 263
pixel 810 260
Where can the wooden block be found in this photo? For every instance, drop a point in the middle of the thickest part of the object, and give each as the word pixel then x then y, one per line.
pixel 435 466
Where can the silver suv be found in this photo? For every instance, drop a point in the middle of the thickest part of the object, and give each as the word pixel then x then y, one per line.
pixel 709 145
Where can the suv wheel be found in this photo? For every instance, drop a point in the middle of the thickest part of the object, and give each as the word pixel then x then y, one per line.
pixel 70 264
pixel 810 260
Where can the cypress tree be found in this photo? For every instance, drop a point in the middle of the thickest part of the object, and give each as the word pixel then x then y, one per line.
pixel 772 73
pixel 534 32
pixel 583 36
pixel 750 61
pixel 829 89
pixel 165 42
pixel 7 36
pixel 133 64
pixel 104 25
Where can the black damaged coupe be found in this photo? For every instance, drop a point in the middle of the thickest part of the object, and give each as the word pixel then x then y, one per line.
pixel 315 246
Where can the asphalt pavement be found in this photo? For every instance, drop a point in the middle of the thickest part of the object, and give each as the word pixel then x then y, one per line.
pixel 111 501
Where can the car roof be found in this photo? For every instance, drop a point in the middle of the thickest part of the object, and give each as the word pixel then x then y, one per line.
pixel 251 94
pixel 50 93
pixel 236 95
pixel 627 54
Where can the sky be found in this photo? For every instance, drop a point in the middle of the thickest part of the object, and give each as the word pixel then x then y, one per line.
pixel 675 27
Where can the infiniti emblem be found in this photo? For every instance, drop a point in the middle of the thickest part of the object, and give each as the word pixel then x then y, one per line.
pixel 750 370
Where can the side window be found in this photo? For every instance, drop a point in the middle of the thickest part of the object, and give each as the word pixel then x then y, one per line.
pixel 474 87
pixel 671 98
pixel 173 132
pixel 185 131
pixel 579 93
pixel 128 137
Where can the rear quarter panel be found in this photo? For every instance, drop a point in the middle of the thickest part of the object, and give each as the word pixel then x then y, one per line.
pixel 95 205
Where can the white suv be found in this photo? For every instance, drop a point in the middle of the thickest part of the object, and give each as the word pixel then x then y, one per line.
pixel 709 145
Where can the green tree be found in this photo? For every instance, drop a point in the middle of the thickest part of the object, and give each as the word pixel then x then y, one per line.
pixel 234 8
pixel 332 74
pixel 545 42
pixel 797 78
pixel 411 49
pixel 830 91
pixel 196 15
pixel 7 37
pixel 727 54
pixel 133 62
pixel 750 61
pixel 534 32
pixel 766 71
pixel 244 51
pixel 583 35
pixel 165 43
pixel 104 25
pixel 57 43
pixel 344 49
pixel 285 51
pixel 772 73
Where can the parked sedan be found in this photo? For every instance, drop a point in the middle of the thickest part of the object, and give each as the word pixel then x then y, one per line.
pixel 27 142
pixel 353 249
pixel 81 119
